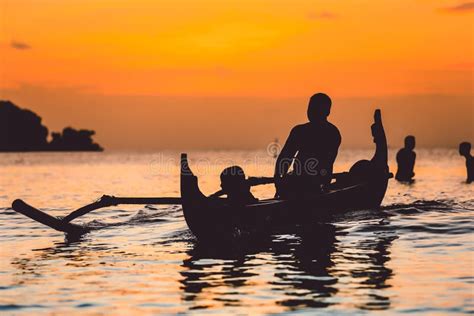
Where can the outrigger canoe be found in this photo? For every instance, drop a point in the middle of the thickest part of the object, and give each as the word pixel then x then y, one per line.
pixel 213 219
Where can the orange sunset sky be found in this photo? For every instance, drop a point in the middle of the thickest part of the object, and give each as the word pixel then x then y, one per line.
pixel 177 74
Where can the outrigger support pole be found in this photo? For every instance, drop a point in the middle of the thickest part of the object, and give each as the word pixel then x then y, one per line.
pixel 107 200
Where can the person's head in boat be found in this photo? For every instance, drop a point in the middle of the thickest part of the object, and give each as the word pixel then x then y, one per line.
pixel 235 185
pixel 232 178
pixel 465 149
pixel 410 142
pixel 319 107
pixel 362 170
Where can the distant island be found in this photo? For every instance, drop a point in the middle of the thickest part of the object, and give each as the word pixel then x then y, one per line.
pixel 22 130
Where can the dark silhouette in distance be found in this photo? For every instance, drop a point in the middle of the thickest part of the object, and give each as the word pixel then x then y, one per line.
pixel 465 151
pixel 236 187
pixel 406 161
pixel 311 149
pixel 74 140
pixel 22 130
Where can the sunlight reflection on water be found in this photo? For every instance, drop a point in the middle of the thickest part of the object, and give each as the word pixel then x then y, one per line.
pixel 414 256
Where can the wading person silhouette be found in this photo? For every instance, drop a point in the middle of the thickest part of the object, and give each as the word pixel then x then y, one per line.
pixel 406 161
pixel 311 149
pixel 465 151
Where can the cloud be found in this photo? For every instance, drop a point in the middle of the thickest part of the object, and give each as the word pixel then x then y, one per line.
pixel 19 45
pixel 460 8
pixel 325 15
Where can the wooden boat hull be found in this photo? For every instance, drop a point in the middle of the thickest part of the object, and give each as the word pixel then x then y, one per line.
pixel 209 219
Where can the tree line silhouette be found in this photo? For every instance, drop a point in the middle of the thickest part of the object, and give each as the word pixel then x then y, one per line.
pixel 22 130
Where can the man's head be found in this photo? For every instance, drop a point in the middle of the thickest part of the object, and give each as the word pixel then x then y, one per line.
pixel 319 107
pixel 465 149
pixel 410 142
pixel 232 179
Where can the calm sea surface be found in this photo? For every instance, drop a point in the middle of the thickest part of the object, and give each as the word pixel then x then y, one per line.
pixel 414 256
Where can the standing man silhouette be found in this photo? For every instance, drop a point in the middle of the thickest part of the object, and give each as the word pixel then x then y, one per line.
pixel 406 161
pixel 465 150
pixel 311 149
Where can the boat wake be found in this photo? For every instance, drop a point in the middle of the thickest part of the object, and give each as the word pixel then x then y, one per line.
pixel 148 215
pixel 423 217
pixel 422 206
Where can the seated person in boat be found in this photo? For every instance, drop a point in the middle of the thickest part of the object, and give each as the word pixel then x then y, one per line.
pixel 406 161
pixel 311 149
pixel 236 187
pixel 465 151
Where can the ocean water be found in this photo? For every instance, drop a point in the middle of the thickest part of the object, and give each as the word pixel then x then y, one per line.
pixel 414 256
